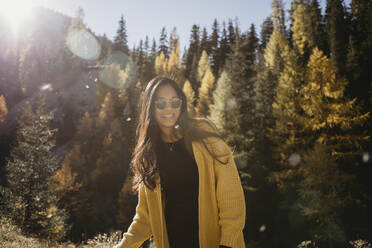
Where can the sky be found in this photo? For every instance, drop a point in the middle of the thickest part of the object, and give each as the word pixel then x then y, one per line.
pixel 147 17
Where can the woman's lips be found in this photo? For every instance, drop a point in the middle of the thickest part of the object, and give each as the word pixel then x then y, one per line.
pixel 168 116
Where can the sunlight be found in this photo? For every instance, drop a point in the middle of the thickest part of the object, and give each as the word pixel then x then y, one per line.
pixel 14 12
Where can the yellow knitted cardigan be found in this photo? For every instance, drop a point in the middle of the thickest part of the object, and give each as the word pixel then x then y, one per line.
pixel 221 204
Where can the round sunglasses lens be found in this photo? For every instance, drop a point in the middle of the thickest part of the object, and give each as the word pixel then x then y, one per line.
pixel 160 104
pixel 176 103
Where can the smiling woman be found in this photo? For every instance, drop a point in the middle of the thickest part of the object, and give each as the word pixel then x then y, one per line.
pixel 16 11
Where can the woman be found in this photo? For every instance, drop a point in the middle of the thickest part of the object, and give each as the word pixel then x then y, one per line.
pixel 189 191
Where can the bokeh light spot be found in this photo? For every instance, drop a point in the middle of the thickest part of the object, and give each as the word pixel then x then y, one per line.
pixel 294 159
pixel 366 157
pixel 46 87
pixel 231 103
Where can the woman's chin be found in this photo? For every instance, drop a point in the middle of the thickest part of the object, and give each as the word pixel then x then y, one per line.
pixel 168 124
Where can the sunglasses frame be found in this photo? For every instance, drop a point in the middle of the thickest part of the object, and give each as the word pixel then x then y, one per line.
pixel 171 102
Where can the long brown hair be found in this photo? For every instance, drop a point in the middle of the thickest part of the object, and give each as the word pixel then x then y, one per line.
pixel 144 161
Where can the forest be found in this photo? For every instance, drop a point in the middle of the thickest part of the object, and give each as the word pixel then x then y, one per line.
pixel 293 101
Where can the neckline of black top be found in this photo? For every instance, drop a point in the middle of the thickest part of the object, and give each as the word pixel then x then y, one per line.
pixel 171 145
pixel 171 142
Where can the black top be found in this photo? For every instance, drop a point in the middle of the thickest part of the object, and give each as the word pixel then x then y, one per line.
pixel 180 182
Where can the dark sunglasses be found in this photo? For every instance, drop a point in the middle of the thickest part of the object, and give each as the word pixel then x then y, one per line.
pixel 162 103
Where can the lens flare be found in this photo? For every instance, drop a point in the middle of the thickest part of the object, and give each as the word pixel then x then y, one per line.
pixel 118 71
pixel 83 44
pixel 15 12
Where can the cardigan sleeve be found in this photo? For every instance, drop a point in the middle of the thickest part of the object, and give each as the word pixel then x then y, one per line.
pixel 140 229
pixel 230 196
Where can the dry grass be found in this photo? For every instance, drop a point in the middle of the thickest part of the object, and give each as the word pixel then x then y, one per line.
pixel 104 240
pixel 11 237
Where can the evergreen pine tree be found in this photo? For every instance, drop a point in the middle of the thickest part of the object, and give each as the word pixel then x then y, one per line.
pixel 272 55
pixel 252 45
pixel 231 34
pixel 153 49
pixel 173 64
pixel 269 68
pixel 317 26
pixel 286 132
pixel 214 41
pixel 193 53
pixel 359 57
pixel 173 39
pixel 163 43
pixel 190 96
pixel 121 38
pixel 302 36
pixel 29 170
pixel 204 44
pixel 146 46
pixel 250 48
pixel 241 68
pixel 65 180
pixel 224 49
pixel 267 28
pixel 278 15
pixel 221 113
pixel 205 93
pixel 264 89
pixel 140 62
pixel 272 80
pixel 328 111
pixel 205 81
pixel 338 33
pixel 160 64
pixel 106 178
pixel 237 31
pixel 133 52
pixel 203 66
pixel 175 69
pixel 149 62
pixel 321 191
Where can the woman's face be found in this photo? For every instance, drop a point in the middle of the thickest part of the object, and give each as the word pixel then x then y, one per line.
pixel 167 107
